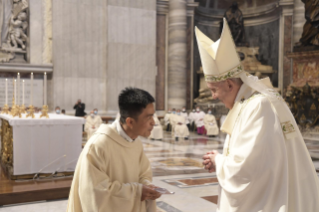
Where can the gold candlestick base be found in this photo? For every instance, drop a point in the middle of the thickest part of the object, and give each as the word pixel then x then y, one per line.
pixel 5 109
pixel 22 109
pixel 31 111
pixel 45 110
pixel 15 111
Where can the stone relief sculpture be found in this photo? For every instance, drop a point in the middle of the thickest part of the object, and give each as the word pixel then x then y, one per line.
pixel 13 26
pixel 310 35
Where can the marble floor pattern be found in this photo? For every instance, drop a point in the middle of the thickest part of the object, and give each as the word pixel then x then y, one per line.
pixel 177 167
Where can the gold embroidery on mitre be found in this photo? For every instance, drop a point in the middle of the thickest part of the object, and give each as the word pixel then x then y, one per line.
pixel 287 127
pixel 233 72
pixel 313 107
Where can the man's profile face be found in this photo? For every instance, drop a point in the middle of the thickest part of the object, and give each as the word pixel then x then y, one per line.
pixel 221 91
pixel 145 122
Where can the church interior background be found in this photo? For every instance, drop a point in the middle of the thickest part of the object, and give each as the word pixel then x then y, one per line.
pixel 60 51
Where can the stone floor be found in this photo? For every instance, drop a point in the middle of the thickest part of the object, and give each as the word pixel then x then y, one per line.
pixel 177 167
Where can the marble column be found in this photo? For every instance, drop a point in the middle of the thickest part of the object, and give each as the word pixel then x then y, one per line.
pixel 177 52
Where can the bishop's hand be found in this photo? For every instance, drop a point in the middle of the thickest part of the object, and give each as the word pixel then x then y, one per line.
pixel 209 161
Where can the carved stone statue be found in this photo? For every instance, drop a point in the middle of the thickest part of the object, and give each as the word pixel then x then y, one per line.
pixel 235 21
pixel 17 31
pixel 310 35
pixel 13 29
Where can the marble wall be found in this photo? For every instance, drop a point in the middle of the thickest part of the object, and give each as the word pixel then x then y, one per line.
pixel 100 47
pixel 131 48
pixel 79 54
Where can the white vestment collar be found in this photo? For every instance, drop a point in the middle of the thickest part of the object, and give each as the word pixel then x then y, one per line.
pixel 244 93
pixel 120 131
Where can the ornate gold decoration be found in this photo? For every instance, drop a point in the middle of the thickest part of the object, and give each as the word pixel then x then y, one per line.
pixel 303 117
pixel 313 107
pixel 45 110
pixel 15 111
pixel 5 109
pixel 22 109
pixel 6 144
pixel 31 111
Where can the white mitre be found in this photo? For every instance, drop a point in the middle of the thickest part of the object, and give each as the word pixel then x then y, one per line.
pixel 220 61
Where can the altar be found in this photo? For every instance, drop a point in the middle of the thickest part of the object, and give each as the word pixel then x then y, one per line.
pixel 40 145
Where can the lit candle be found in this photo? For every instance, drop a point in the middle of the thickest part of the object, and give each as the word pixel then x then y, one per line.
pixel 45 88
pixel 18 89
pixel 22 92
pixel 31 102
pixel 15 91
pixel 6 91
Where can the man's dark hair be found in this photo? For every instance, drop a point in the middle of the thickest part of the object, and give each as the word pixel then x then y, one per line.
pixel 132 101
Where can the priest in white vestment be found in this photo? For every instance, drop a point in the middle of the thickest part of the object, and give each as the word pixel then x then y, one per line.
pixel 265 165
pixel 199 121
pixel 184 113
pixel 93 122
pixel 211 124
pixel 191 119
pixel 113 173
pixel 181 130
pixel 167 120
pixel 157 132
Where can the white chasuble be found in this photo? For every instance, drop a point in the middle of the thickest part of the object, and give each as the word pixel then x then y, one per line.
pixel 91 125
pixel 181 129
pixel 157 132
pixel 211 125
pixel 109 175
pixel 259 169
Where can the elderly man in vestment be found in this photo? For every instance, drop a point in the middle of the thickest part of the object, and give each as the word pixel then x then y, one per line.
pixel 199 121
pixel 181 130
pixel 265 165
pixel 157 132
pixel 113 172
pixel 211 124
pixel 93 122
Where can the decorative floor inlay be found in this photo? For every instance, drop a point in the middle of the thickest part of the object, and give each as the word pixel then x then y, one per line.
pixel 193 182
pixel 213 199
pixel 164 207
pixel 181 162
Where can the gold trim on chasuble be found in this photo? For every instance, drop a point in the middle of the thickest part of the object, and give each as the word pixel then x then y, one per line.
pixel 233 72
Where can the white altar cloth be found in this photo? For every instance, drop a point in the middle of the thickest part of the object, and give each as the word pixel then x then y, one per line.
pixel 45 145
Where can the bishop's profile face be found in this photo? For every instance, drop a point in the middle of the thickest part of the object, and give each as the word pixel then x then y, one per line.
pixel 224 91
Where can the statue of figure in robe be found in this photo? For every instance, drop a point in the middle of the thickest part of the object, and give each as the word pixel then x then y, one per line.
pixel 17 31
pixel 310 34
pixel 13 27
pixel 234 17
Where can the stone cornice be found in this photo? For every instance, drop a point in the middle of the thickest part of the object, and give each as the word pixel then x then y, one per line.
pixel 25 68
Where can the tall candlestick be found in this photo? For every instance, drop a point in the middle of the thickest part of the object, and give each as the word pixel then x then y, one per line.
pixel 6 91
pixel 22 92
pixel 45 88
pixel 31 102
pixel 15 91
pixel 18 90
